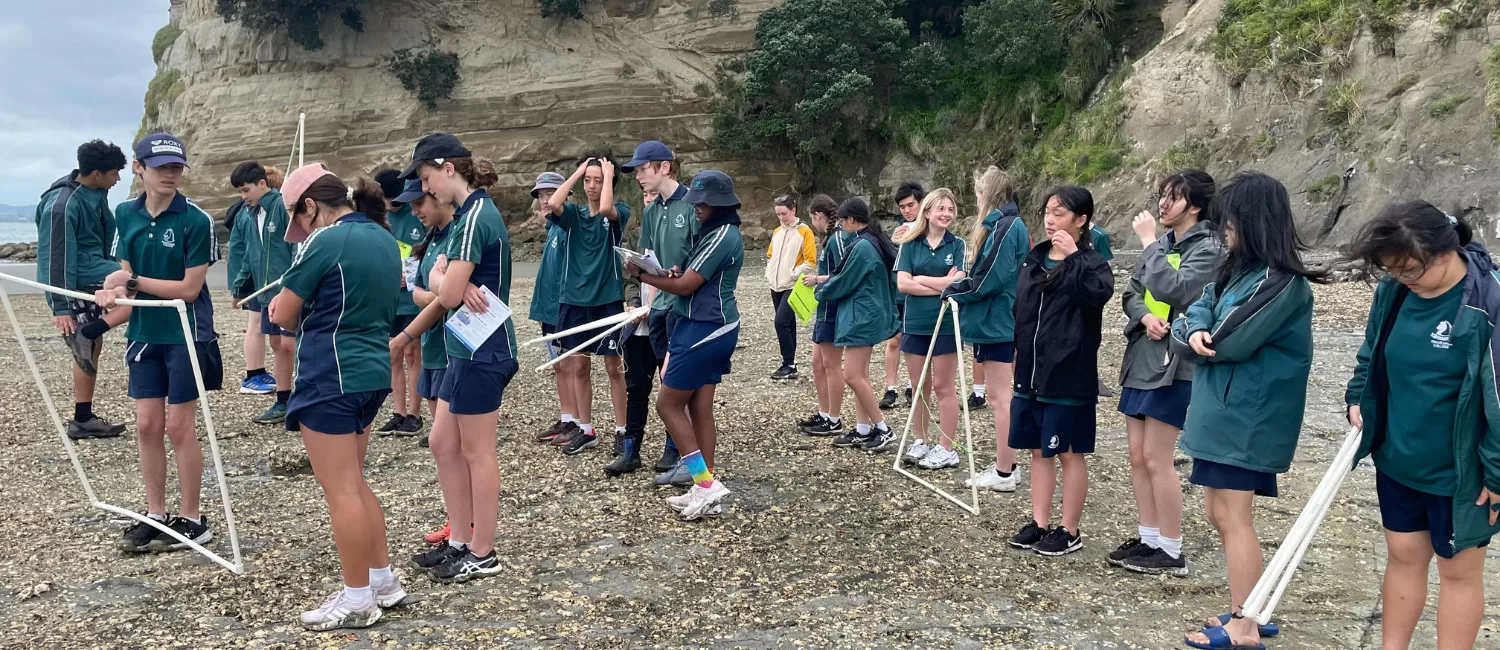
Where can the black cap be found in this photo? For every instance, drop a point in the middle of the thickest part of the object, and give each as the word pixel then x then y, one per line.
pixel 434 148
pixel 390 183
pixel 714 188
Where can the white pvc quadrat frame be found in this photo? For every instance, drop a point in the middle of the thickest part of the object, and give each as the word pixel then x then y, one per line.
pixel 963 389
pixel 615 324
pixel 238 565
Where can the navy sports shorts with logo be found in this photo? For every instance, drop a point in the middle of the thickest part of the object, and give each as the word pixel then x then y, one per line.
pixel 917 344
pixel 700 354
pixel 823 330
pixel 331 411
pixel 998 352
pixel 428 382
pixel 1052 428
pixel 160 370
pixel 1405 510
pixel 571 316
pixel 475 387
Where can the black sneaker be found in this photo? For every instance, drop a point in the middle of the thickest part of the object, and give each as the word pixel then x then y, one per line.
pixel 1131 548
pixel 411 425
pixel 1030 534
pixel 569 434
pixel 785 373
pixel 880 440
pixel 1157 561
pixel 93 428
pixel 1058 542
pixel 906 394
pixel 811 420
pixel 623 464
pixel 580 444
pixel 390 425
pixel 824 429
pixel 853 439
pixel 976 402
pixel 438 554
pixel 617 446
pixel 888 401
pixel 467 568
pixel 138 538
pixel 668 460
pixel 198 532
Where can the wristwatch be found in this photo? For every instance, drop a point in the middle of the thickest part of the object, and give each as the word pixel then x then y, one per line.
pixel 133 283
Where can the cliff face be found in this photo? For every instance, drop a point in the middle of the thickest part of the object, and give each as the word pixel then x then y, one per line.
pixel 534 93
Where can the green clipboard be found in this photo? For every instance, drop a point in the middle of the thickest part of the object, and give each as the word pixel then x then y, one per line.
pixel 803 301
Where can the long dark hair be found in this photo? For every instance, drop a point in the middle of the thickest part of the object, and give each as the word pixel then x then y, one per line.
pixel 1195 185
pixel 330 191
pixel 859 211
pixel 1256 207
pixel 1409 230
pixel 1079 201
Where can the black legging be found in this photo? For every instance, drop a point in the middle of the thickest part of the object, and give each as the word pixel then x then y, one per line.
pixel 786 326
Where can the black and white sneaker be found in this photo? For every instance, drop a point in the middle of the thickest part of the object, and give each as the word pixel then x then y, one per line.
pixel 824 429
pixel 391 425
pixel 853 439
pixel 785 373
pixel 1157 562
pixel 138 538
pixel 411 425
pixel 976 402
pixel 810 420
pixel 1058 542
pixel 881 440
pixel 888 401
pixel 1131 548
pixel 906 394
pixel 467 568
pixel 1030 534
pixel 198 532
pixel 436 555
pixel 580 444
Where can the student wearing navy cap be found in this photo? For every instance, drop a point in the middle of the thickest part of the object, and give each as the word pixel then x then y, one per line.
pixel 703 336
pixel 266 256
pixel 337 297
pixel 165 244
pixel 406 405
pixel 463 433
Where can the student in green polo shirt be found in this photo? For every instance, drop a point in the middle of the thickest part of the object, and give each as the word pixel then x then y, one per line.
pixel 406 404
pixel 930 258
pixel 164 244
pixel 1423 385
pixel 337 295
pixel 828 385
pixel 267 256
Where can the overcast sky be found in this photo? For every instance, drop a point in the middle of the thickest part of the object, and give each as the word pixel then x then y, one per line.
pixel 74 70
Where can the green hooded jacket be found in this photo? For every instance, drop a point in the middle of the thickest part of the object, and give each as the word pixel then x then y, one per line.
pixel 267 253
pixel 74 230
pixel 865 293
pixel 987 298
pixel 241 230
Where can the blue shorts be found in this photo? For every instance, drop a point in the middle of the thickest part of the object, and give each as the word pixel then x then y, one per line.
pixel 475 387
pixel 699 355
pixel 333 412
pixel 1219 476
pixel 999 352
pixel 1167 404
pixel 571 316
pixel 823 330
pixel 1404 510
pixel 160 370
pixel 429 381
pixel 661 323
pixel 268 328
pixel 252 304
pixel 1052 428
pixel 399 325
pixel 917 344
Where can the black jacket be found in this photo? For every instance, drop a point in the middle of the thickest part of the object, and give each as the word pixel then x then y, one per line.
pixel 1058 330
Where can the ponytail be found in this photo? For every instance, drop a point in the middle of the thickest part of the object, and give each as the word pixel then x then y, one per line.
pixel 859 211
pixel 479 173
pixel 369 198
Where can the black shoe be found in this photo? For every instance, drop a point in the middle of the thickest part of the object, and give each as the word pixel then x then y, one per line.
pixel 570 433
pixel 785 373
pixel 1030 534
pixel 617 446
pixel 1058 542
pixel 824 429
pixel 809 421
pixel 1157 562
pixel 880 440
pixel 439 554
pixel 411 425
pixel 467 568
pixel 888 401
pixel 668 460
pixel 853 439
pixel 906 394
pixel 580 444
pixel 93 428
pixel 976 402
pixel 138 538
pixel 623 464
pixel 392 424
pixel 199 533
pixel 1131 548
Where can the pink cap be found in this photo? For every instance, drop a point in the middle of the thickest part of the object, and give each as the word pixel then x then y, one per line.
pixel 292 188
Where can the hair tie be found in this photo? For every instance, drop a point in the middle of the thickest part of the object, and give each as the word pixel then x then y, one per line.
pixel 1452 221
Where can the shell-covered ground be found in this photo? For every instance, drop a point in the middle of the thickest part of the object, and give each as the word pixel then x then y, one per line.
pixel 819 547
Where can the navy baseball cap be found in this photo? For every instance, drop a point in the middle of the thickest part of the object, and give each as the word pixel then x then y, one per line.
pixel 714 188
pixel 411 192
pixel 434 148
pixel 390 183
pixel 160 149
pixel 547 181
pixel 648 151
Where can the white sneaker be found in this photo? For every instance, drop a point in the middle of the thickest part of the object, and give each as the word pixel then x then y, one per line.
pixel 990 480
pixel 388 594
pixel 339 611
pixel 915 452
pixel 939 458
pixel 680 501
pixel 700 499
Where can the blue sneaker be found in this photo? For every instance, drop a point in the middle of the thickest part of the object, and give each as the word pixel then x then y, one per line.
pixel 258 385
pixel 273 415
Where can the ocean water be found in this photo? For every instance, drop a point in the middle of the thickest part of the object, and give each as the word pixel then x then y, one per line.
pixel 17 231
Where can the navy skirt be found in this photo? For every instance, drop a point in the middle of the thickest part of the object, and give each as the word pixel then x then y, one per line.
pixel 1167 404
pixel 1229 477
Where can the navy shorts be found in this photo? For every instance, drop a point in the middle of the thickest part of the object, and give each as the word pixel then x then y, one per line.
pixel 1167 404
pixel 1404 510
pixel 160 370
pixel 571 316
pixel 823 330
pixel 917 344
pixel 1219 476
pixel 661 322
pixel 475 387
pixel 699 354
pixel 1052 428
pixel 270 329
pixel 999 352
pixel 331 411
pixel 399 325
pixel 429 381
pixel 252 304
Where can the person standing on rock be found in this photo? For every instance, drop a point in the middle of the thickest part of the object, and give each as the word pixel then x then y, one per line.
pixel 1061 291
pixel 1249 332
pixel 406 403
pixel 791 253
pixel 704 334
pixel 909 196
pixel 74 228
pixel 828 383
pixel 1155 384
pixel 165 244
pixel 1437 452
pixel 477 259
pixel 267 255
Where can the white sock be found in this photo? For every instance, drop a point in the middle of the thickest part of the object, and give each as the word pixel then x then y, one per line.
pixel 979 389
pixel 880 426
pixel 457 544
pixel 834 419
pixel 619 429
pixel 1173 547
pixel 1149 536
pixel 908 384
pixel 588 429
pixel 568 417
pixel 359 595
pixel 197 520
pixel 891 388
pixel 159 517
pixel 825 415
pixel 863 429
pixel 382 575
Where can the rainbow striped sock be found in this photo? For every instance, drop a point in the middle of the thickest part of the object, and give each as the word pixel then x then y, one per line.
pixel 699 469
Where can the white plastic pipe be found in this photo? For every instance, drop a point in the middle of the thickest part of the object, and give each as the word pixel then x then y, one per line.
pixel 585 345
pixel 586 327
pixel 301 138
pixel 258 292
pixel 963 389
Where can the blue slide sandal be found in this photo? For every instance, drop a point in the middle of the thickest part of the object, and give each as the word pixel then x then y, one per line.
pixel 1218 639
pixel 1268 630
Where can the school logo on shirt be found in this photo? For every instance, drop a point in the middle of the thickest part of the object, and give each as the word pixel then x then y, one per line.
pixel 1442 335
pixel 271 227
pixel 169 239
pixel 416 234
pixel 680 222
pixel 949 259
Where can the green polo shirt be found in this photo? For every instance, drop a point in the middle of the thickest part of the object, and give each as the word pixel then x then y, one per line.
pixel 344 273
pixel 162 248
pixel 717 256
pixel 672 225
pixel 1100 241
pixel 920 259
pixel 1426 372
pixel 480 237
pixel 409 232
pixel 590 267
pixel 434 348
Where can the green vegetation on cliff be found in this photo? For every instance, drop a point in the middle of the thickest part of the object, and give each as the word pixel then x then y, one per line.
pixel 431 74
pixel 164 39
pixel 301 20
